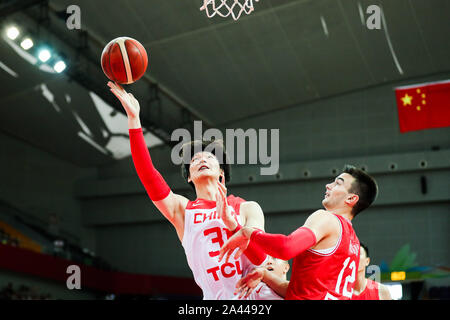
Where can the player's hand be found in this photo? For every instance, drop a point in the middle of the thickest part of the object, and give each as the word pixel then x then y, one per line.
pixel 240 240
pixel 247 284
pixel 129 102
pixel 222 207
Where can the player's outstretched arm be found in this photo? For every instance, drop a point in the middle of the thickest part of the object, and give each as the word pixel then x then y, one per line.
pixel 171 205
pixel 318 225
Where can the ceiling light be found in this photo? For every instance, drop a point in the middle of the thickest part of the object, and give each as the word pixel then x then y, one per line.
pixel 27 43
pixel 44 55
pixel 12 33
pixel 60 66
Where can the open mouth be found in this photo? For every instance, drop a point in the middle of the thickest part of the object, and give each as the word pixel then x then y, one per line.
pixel 269 269
pixel 203 168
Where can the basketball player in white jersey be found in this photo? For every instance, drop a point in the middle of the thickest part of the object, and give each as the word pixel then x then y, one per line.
pixel 202 225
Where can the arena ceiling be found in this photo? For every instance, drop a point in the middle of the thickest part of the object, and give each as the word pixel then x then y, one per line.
pixel 286 53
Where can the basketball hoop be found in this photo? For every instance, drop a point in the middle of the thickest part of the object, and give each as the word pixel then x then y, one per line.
pixel 224 8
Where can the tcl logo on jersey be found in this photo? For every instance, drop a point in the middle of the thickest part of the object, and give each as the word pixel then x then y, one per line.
pixel 227 270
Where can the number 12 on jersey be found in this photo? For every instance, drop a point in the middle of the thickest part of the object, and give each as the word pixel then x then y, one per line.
pixel 349 279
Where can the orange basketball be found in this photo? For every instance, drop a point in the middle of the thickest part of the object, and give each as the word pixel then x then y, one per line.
pixel 124 60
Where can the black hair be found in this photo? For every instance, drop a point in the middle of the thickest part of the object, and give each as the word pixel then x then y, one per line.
pixel 362 245
pixel 364 186
pixel 216 147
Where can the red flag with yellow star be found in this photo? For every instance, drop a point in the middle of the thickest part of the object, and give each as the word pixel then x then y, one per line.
pixel 423 106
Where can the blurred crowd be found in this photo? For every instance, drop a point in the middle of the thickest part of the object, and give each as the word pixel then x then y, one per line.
pixel 5 238
pixel 22 292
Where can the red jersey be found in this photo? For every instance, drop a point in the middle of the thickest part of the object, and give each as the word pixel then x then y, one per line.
pixel 370 292
pixel 328 274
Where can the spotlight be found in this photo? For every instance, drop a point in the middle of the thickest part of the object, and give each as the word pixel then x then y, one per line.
pixel 60 66
pixel 27 43
pixel 12 33
pixel 44 55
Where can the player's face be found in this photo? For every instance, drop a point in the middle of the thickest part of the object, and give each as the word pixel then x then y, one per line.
pixel 204 165
pixel 336 193
pixel 363 259
pixel 276 266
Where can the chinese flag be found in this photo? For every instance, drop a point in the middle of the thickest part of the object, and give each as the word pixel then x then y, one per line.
pixel 423 106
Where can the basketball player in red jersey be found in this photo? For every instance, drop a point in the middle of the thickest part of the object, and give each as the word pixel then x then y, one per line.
pixel 367 289
pixel 202 225
pixel 325 249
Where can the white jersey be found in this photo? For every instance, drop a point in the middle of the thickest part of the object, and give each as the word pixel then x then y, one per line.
pixel 204 235
pixel 262 292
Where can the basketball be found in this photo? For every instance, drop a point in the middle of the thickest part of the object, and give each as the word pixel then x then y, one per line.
pixel 124 60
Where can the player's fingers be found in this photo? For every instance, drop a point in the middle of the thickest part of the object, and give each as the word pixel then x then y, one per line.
pixel 121 98
pixel 220 192
pixel 223 179
pixel 223 194
pixel 241 282
pixel 114 85
pixel 238 253
pixel 243 292
pixel 228 256
pixel 217 198
pixel 249 291
pixel 222 187
pixel 120 87
pixel 222 252
pixel 223 204
pixel 117 94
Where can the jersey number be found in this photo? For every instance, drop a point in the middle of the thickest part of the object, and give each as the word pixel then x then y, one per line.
pixel 348 280
pixel 217 239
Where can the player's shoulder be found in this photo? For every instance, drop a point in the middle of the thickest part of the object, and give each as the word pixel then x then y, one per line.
pixel 251 208
pixel 324 220
pixel 242 203
pixel 250 204
pixel 384 292
pixel 232 199
pixel 322 214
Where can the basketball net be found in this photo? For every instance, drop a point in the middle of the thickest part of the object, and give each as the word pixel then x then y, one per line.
pixel 224 8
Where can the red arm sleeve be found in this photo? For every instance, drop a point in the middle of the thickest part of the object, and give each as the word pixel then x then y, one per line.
pixel 284 247
pixel 253 252
pixel 157 189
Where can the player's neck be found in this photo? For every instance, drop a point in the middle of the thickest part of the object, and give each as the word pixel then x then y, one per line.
pixel 207 190
pixel 344 212
pixel 360 285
